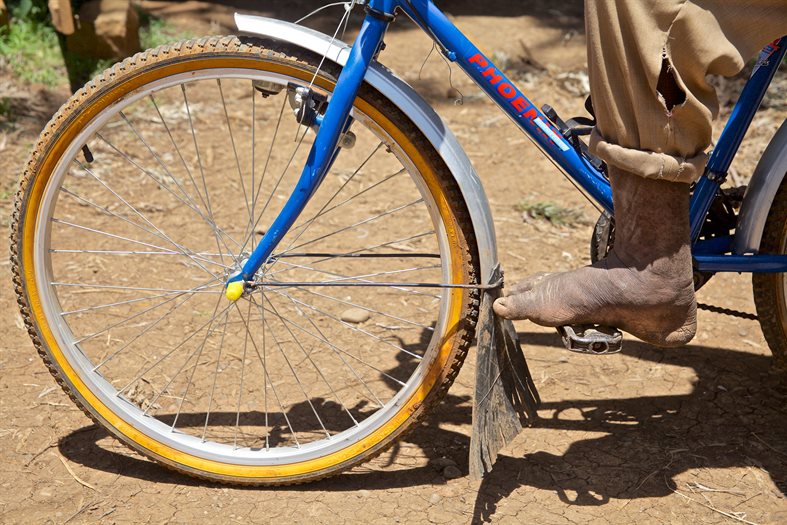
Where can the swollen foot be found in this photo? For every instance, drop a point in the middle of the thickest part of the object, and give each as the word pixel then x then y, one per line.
pixel 644 286
pixel 658 308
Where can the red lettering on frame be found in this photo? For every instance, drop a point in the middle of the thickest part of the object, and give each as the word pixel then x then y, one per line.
pixel 479 59
pixel 520 104
pixel 507 90
pixel 491 74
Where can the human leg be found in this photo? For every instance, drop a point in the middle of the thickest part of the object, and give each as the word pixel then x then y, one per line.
pixel 648 63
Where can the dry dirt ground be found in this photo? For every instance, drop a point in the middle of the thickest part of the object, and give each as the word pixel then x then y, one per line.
pixel 695 434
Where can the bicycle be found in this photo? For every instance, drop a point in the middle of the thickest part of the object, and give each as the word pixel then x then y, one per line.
pixel 235 318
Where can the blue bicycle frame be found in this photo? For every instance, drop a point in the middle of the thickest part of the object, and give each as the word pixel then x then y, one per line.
pixel 709 256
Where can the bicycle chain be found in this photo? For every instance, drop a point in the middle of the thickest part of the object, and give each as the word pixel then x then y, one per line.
pixel 727 311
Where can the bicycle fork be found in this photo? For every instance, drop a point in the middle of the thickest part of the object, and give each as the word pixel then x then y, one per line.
pixel 324 150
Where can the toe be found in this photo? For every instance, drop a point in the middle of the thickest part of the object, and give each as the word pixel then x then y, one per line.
pixel 526 285
pixel 513 307
pixel 501 307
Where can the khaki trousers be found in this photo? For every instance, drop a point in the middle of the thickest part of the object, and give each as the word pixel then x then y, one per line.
pixel 648 62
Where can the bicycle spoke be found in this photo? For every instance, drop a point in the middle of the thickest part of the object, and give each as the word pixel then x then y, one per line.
pixel 368 309
pixel 144 252
pixel 183 366
pixel 158 159
pixel 250 205
pixel 215 376
pixel 141 333
pixel 133 288
pixel 273 191
pixel 180 154
pixel 268 158
pixel 278 344
pixel 308 356
pixel 118 303
pixel 265 371
pixel 277 256
pixel 182 400
pixel 351 226
pixel 339 205
pixel 234 149
pixel 348 325
pixel 338 349
pixel 166 355
pixel 217 232
pixel 319 213
pixel 324 340
pixel 126 320
pixel 105 211
pixel 201 169
pixel 346 280
pixel 242 370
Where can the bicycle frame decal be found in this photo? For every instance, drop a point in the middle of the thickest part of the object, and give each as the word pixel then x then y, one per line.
pixel 517 100
pixel 526 115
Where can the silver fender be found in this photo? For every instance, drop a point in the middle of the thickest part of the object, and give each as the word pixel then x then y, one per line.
pixel 760 193
pixel 414 106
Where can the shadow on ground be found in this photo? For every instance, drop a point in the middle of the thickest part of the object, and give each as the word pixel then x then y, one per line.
pixel 734 417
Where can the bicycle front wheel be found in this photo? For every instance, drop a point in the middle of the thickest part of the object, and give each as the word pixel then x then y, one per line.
pixel 151 186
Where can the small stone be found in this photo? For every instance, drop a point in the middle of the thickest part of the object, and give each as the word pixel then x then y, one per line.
pixel 441 463
pixel 355 315
pixel 451 472
pixel 435 498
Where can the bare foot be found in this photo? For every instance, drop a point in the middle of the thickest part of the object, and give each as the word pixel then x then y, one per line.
pixel 645 284
pixel 658 308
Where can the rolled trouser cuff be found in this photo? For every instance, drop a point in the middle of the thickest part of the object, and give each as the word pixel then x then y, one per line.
pixel 648 164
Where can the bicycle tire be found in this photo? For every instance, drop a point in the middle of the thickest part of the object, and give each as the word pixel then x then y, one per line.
pixel 36 259
pixel 770 289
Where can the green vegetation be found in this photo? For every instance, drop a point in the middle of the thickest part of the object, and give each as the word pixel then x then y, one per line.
pixel 551 212
pixel 155 32
pixel 31 47
pixel 5 106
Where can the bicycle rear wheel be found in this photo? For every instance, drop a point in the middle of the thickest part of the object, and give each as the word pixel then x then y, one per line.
pixel 770 289
pixel 151 186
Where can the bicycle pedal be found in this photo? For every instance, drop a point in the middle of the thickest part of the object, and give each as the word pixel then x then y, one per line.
pixel 591 339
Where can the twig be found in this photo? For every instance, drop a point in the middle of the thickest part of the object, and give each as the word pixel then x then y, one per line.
pixel 39 453
pixel 529 59
pixel 82 509
pixel 711 507
pixel 703 488
pixel 512 254
pixel 767 445
pixel 76 478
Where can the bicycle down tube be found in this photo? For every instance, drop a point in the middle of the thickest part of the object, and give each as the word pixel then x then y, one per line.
pixel 457 48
